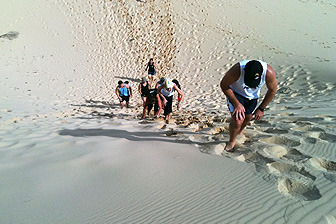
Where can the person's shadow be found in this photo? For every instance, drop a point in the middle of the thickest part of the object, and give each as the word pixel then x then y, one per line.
pixel 130 79
pixel 116 133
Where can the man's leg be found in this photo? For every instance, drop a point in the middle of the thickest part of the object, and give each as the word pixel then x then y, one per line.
pixel 236 127
pixel 127 98
pixel 150 106
pixel 122 105
pixel 143 100
pixel 144 111
pixel 168 116
pixel 247 119
pixel 168 108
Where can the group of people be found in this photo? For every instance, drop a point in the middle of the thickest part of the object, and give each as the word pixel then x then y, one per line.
pixel 160 97
pixel 124 93
pixel 241 85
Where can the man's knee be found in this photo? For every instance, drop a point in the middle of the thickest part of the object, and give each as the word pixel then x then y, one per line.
pixel 248 117
pixel 236 122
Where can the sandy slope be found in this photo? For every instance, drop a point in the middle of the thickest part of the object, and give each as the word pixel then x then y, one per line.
pixel 70 155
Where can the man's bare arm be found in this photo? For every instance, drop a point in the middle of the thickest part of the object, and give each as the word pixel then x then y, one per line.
pixel 180 92
pixel 229 78
pixel 272 86
pixel 159 92
pixel 117 92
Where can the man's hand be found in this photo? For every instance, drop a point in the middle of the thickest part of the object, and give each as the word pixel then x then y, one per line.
pixel 239 112
pixel 258 114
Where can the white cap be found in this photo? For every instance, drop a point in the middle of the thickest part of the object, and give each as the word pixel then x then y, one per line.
pixel 169 83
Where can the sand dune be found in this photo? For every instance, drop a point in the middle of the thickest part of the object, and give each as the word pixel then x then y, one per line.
pixel 69 154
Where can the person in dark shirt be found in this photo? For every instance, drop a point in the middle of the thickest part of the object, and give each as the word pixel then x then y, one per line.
pixel 144 87
pixel 152 99
pixel 151 67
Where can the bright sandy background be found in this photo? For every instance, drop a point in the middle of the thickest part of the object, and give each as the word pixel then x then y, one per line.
pixel 69 154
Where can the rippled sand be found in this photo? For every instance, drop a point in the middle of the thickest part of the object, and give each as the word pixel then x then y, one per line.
pixel 69 154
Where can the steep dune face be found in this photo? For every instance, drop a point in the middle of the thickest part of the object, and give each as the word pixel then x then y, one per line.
pixel 129 33
pixel 133 33
pixel 69 154
pixel 119 37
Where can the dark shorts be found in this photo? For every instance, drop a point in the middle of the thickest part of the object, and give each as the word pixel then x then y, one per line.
pixel 150 102
pixel 151 73
pixel 124 98
pixel 156 107
pixel 145 92
pixel 169 106
pixel 249 105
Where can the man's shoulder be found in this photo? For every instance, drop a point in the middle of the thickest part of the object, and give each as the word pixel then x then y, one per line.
pixel 270 71
pixel 235 70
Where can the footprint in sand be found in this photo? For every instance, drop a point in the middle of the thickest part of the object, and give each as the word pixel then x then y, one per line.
pixel 276 131
pixel 331 219
pixel 300 190
pixel 281 140
pixel 281 169
pixel 201 138
pixel 275 151
pixel 161 126
pixel 171 132
pixel 313 134
pixel 212 149
pixel 296 156
pixel 293 181
pixel 281 152
pixel 218 130
pixel 328 167
pixel 307 128
pixel 328 137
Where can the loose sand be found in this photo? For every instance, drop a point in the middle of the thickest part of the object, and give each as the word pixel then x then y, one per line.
pixel 69 154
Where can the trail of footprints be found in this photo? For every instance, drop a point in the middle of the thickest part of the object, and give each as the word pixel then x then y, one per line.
pixel 276 152
pixel 275 147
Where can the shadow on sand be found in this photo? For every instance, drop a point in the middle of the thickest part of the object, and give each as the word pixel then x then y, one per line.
pixel 131 136
pixel 128 79
pixel 166 136
pixel 97 104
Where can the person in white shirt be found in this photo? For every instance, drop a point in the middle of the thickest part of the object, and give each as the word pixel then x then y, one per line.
pixel 166 92
pixel 242 84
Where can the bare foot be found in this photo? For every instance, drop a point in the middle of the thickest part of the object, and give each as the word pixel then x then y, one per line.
pixel 229 147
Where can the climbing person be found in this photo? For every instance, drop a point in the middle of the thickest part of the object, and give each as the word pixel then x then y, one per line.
pixel 144 87
pixel 152 99
pixel 124 92
pixel 241 84
pixel 166 92
pixel 151 67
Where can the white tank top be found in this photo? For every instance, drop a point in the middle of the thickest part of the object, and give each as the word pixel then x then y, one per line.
pixel 167 93
pixel 242 89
